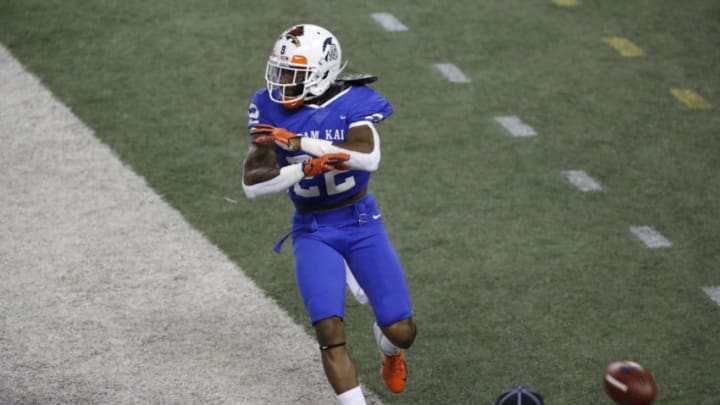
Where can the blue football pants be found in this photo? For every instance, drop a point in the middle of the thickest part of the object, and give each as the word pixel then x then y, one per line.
pixel 323 240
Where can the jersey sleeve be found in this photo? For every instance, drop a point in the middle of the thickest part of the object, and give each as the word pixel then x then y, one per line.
pixel 369 106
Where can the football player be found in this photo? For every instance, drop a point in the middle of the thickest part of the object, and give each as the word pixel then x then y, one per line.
pixel 314 137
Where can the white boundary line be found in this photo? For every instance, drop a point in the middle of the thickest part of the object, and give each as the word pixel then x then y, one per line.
pixel 713 293
pixel 452 73
pixel 582 180
pixel 389 22
pixel 650 237
pixel 515 126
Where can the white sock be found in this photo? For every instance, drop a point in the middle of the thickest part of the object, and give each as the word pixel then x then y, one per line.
pixel 386 346
pixel 352 397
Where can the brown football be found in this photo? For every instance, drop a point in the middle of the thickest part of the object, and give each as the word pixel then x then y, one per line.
pixel 629 383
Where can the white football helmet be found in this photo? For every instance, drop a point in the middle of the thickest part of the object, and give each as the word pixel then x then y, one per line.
pixel 304 62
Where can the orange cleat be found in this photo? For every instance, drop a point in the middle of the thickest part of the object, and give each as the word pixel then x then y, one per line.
pixel 394 372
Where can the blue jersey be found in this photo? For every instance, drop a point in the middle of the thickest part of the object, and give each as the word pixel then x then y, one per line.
pixel 329 121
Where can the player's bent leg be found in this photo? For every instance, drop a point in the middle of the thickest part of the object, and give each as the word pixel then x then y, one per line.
pixel 338 365
pixel 393 340
pixel 401 333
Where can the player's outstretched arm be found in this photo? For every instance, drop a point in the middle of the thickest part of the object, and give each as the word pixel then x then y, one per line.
pixel 262 176
pixel 362 144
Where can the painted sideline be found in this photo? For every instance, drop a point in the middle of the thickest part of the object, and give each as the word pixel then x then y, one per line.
pixel 109 295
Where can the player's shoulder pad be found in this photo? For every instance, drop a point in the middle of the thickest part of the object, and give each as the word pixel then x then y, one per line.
pixel 260 95
pixel 358 79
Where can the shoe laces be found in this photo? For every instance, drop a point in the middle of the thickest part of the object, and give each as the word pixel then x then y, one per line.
pixel 397 364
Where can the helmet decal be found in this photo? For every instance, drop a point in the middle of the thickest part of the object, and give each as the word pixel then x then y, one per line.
pixel 332 53
pixel 297 31
pixel 294 33
pixel 328 41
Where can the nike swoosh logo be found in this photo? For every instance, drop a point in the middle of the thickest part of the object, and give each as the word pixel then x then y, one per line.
pixel 377 216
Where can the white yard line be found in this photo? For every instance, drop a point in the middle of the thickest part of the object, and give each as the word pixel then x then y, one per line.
pixel 582 180
pixel 650 237
pixel 452 73
pixel 515 126
pixel 389 22
pixel 713 293
pixel 567 3
pixel 109 296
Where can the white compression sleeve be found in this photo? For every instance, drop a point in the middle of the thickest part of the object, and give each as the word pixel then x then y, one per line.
pixel 358 160
pixel 385 345
pixel 289 175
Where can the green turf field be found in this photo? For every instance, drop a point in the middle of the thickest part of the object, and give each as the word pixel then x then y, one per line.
pixel 516 276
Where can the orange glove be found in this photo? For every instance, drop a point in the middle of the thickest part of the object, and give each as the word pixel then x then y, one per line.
pixel 264 133
pixel 325 163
